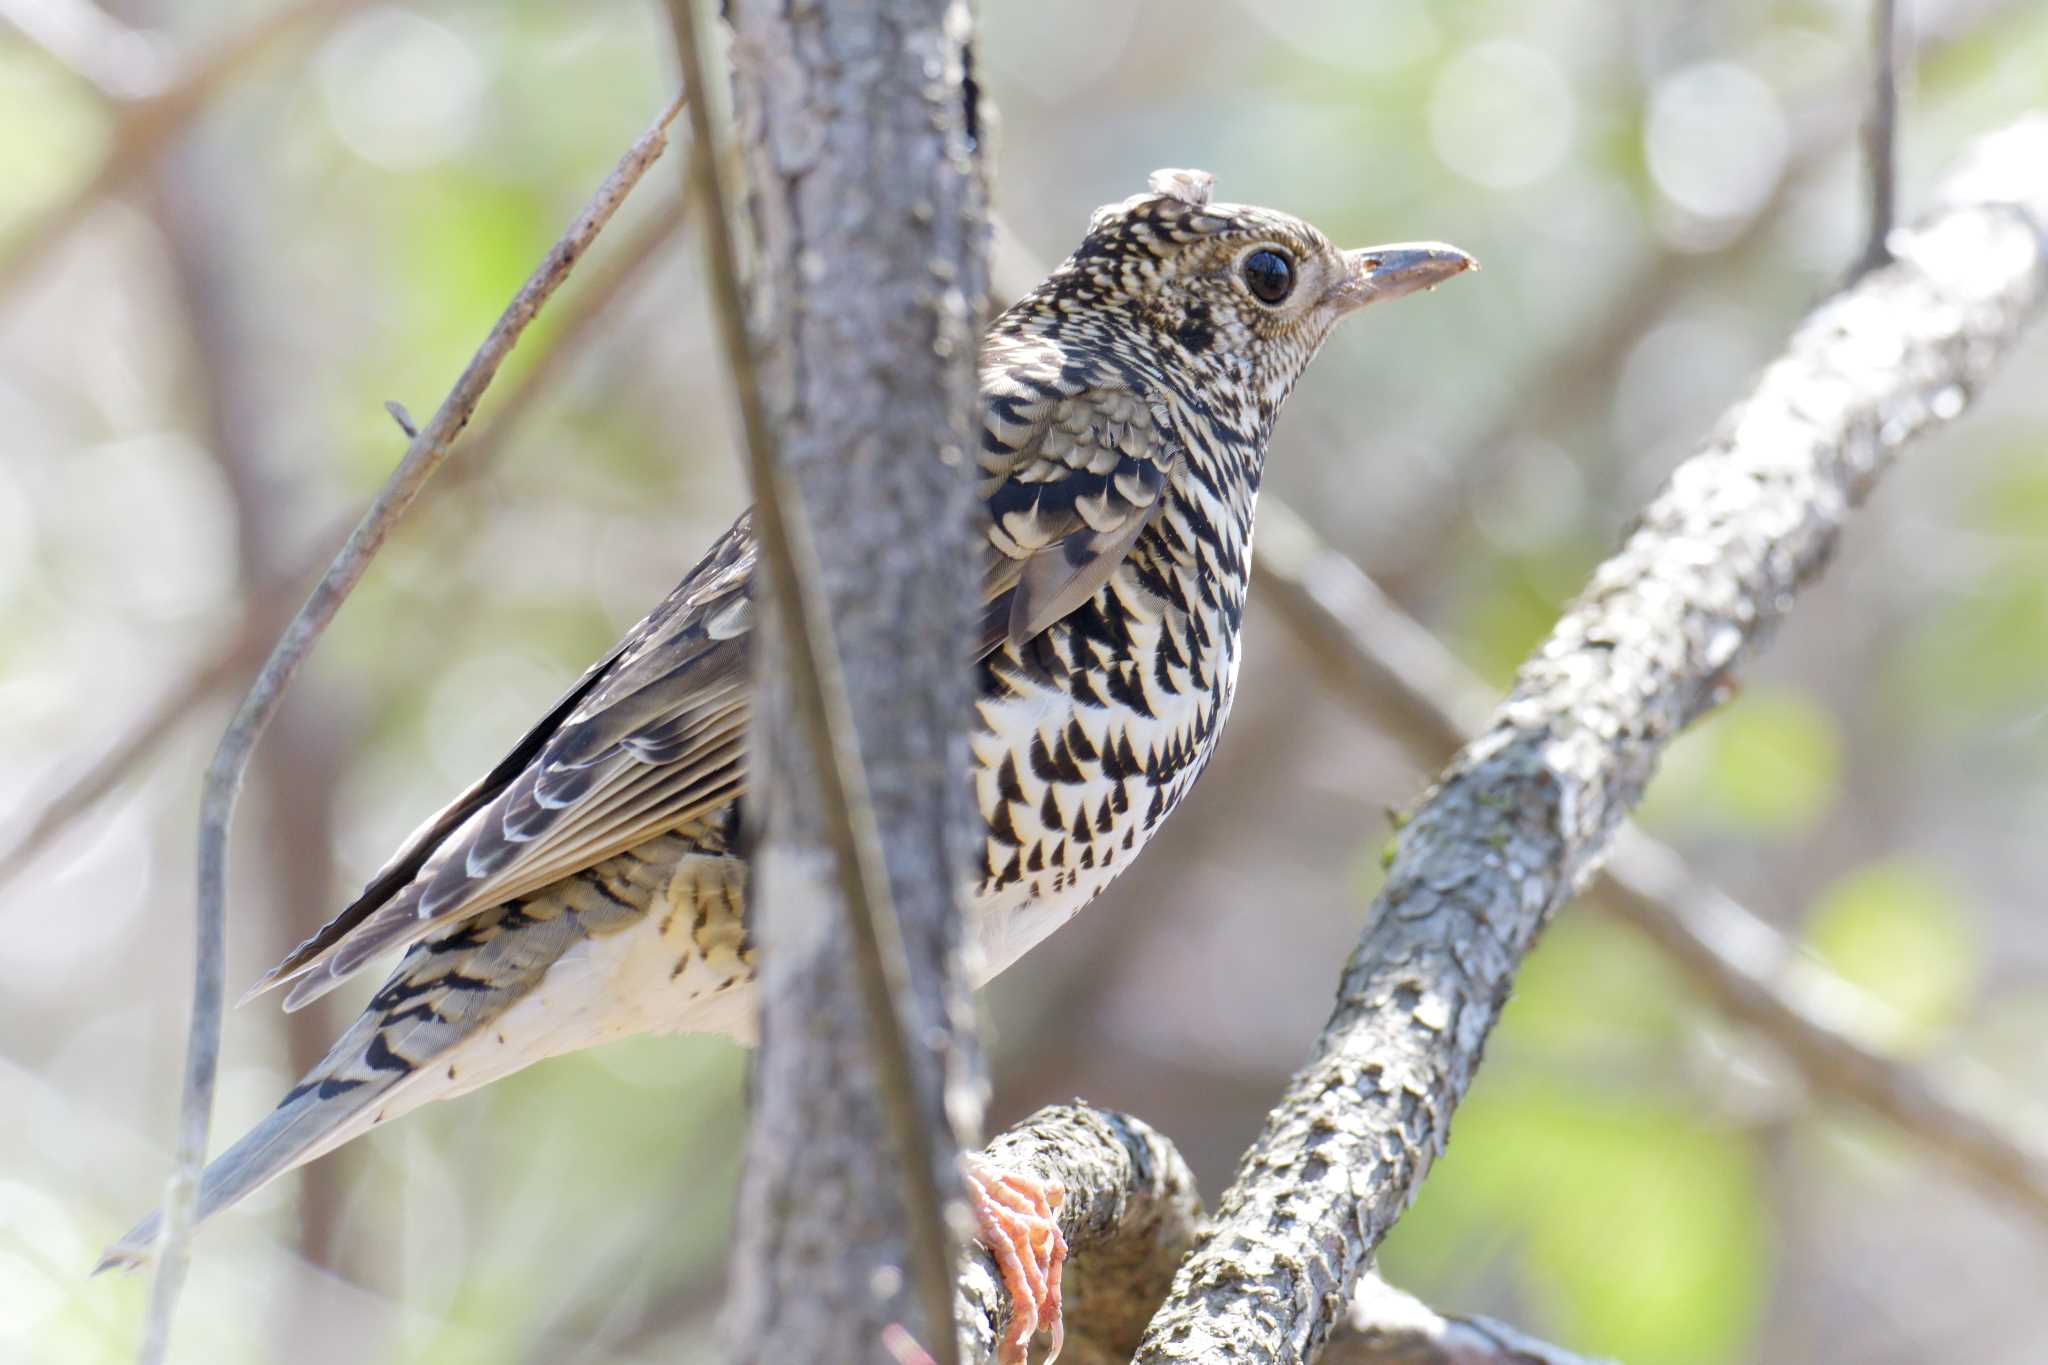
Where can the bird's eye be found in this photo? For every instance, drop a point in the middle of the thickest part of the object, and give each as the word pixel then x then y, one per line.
pixel 1269 275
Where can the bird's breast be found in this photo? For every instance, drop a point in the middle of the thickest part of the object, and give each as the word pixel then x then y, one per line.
pixel 1092 733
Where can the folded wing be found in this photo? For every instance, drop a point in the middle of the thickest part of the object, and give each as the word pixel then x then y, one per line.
pixel 650 738
pixel 1075 465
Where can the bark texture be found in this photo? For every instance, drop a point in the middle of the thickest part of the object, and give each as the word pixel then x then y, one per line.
pixel 1408 683
pixel 869 283
pixel 1522 817
pixel 1130 1215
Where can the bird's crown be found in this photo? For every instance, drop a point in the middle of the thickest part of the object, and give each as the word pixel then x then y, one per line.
pixel 1226 302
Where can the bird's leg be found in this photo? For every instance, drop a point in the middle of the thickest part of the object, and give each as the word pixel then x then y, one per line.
pixel 1015 1213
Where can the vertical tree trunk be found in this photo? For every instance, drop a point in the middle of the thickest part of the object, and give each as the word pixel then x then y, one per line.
pixel 869 280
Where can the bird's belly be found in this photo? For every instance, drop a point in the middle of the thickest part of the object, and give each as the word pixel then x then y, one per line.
pixel 1070 792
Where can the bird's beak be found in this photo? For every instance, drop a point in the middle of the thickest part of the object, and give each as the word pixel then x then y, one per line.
pixel 1388 272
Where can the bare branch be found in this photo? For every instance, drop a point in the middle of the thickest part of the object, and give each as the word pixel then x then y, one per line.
pixel 1524 814
pixel 149 121
pixel 1131 1213
pixel 231 759
pixel 1881 132
pixel 1385 1326
pixel 1389 666
pixel 888 134
pixel 269 605
pixel 1547 398
pixel 119 62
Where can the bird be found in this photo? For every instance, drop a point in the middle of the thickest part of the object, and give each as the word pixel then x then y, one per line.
pixel 592 885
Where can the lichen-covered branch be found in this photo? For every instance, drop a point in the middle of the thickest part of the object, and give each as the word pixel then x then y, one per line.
pixel 1402 678
pixel 1522 817
pixel 1130 1215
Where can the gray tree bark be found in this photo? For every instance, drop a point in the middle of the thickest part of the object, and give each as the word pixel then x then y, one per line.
pixel 1523 816
pixel 869 279
pixel 1133 1212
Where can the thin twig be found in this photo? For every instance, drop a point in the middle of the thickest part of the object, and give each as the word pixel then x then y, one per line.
pixel 231 760
pixel 146 125
pixel 295 775
pixel 119 62
pixel 1881 132
pixel 829 731
pixel 268 605
pixel 1554 392
pixel 1387 665
pixel 1387 1326
pixel 230 660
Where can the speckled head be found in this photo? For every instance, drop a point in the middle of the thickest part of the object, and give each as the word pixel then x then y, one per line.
pixel 1234 297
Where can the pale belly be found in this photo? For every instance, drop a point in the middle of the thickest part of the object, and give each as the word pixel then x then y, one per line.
pixel 1069 794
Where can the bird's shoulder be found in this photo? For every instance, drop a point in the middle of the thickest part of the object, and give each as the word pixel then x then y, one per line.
pixel 1078 445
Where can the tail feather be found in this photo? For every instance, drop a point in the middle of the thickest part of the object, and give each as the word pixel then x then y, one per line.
pixel 402 1050
pixel 306 1125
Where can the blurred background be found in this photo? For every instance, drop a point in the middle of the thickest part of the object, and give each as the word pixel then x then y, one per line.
pixel 193 369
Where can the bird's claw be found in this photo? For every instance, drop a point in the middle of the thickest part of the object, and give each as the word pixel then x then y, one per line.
pixel 1017 1215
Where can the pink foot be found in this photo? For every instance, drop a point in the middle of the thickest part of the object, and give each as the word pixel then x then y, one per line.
pixel 1015 1212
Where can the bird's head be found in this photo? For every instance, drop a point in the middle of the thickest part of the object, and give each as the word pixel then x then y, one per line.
pixel 1239 298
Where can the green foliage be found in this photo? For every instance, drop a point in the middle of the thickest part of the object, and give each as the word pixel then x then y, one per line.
pixel 1981 657
pixel 1898 930
pixel 1591 987
pixel 52 134
pixel 1766 766
pixel 1629 1228
pixel 1511 608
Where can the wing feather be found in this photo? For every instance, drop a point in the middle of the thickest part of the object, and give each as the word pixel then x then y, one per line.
pixel 1076 466
pixel 669 696
pixel 653 737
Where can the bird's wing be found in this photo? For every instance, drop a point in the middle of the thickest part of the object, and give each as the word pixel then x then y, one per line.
pixel 654 735
pixel 649 738
pixel 1076 463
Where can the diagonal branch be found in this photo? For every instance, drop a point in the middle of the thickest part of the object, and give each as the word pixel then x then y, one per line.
pixel 1881 131
pixel 1389 666
pixel 268 606
pixel 231 759
pixel 1130 1215
pixel 1384 1326
pixel 1525 813
pixel 152 111
pixel 1548 397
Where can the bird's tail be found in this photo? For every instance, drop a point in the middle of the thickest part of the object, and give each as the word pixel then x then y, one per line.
pixel 408 1046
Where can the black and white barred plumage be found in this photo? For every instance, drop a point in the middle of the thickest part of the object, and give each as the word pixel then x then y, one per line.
pixel 591 887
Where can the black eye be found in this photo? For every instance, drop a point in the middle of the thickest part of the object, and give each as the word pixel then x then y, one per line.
pixel 1269 276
